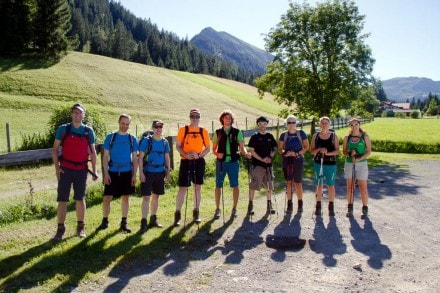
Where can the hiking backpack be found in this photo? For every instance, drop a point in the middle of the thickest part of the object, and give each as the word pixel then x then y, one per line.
pixel 73 156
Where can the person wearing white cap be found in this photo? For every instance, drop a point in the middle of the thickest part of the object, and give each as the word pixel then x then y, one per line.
pixel 192 143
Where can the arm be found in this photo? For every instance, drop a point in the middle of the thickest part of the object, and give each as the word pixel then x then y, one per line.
pixel 344 147
pixel 55 147
pixel 141 166
pixel 243 150
pixel 314 150
pixel 167 167
pixel 93 160
pixel 105 159
pixel 135 161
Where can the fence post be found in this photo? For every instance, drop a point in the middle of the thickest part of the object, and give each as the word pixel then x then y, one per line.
pixel 8 138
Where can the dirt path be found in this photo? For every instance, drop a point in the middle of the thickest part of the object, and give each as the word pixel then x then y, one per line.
pixel 396 250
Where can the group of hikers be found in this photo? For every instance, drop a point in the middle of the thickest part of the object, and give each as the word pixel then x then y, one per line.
pixel 124 155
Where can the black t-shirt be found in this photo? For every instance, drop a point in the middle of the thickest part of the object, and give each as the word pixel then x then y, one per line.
pixel 263 144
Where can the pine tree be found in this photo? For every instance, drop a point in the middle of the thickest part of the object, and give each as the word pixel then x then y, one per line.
pixel 51 23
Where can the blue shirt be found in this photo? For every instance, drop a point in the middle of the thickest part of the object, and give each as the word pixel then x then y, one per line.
pixel 154 161
pixel 121 151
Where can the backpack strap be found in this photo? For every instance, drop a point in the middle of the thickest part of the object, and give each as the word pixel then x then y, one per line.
pixel 200 132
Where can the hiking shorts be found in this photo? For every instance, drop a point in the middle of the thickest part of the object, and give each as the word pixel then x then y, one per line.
pixel 120 185
pixel 329 173
pixel 191 171
pixel 223 168
pixel 261 176
pixel 361 170
pixel 70 177
pixel 293 169
pixel 154 183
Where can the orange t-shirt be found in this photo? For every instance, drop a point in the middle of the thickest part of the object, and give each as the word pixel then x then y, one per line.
pixel 193 140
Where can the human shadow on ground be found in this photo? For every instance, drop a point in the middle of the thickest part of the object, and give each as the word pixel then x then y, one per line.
pixel 87 256
pixel 367 241
pixel 246 237
pixel 327 241
pixel 287 230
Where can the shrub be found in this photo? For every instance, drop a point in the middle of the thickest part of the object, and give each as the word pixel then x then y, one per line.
pixel 415 114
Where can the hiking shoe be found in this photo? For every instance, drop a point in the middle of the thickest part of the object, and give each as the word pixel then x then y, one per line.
pixel 80 230
pixel 217 214
pixel 144 226
pixel 331 209
pixel 270 209
pixel 177 217
pixel 350 210
pixel 318 210
pixel 124 227
pixel 103 226
pixel 250 210
pixel 60 232
pixel 365 211
pixel 289 206
pixel 153 222
pixel 300 206
pixel 196 217
pixel 234 213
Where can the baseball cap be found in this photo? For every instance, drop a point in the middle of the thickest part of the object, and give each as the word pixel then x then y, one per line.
pixel 79 107
pixel 156 123
pixel 194 111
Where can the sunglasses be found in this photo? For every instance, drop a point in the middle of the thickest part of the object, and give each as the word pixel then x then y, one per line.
pixel 354 124
pixel 158 126
pixel 291 122
pixel 194 116
pixel 262 123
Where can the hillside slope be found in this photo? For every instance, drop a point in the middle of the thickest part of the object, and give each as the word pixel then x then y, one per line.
pixel 114 86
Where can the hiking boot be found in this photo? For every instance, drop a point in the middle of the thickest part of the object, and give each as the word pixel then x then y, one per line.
pixel 250 210
pixel 318 210
pixel 217 214
pixel 124 227
pixel 350 210
pixel 364 211
pixel 289 206
pixel 153 222
pixel 177 217
pixel 196 217
pixel 234 213
pixel 331 209
pixel 80 230
pixel 300 206
pixel 144 226
pixel 270 209
pixel 103 226
pixel 60 232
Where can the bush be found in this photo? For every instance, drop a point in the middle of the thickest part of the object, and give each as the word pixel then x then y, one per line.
pixel 415 114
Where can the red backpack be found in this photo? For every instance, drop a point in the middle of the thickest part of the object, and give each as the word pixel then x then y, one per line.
pixel 75 148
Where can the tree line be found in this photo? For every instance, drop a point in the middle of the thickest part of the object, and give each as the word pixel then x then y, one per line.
pixel 51 27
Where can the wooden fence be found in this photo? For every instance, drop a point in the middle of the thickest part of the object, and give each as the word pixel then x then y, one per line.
pixel 34 156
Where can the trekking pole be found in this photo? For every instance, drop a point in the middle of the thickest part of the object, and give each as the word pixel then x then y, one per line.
pixel 321 176
pixel 223 199
pixel 269 170
pixel 248 167
pixel 353 186
pixel 195 195
pixel 186 200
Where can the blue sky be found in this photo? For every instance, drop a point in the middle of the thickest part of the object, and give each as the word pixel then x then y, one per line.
pixel 405 34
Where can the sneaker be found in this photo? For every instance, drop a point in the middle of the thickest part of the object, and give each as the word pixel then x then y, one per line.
pixel 124 227
pixel 300 206
pixel 80 230
pixel 217 214
pixel 350 210
pixel 364 211
pixel 144 226
pixel 289 206
pixel 103 226
pixel 234 213
pixel 196 217
pixel 270 209
pixel 250 210
pixel 331 209
pixel 153 222
pixel 318 210
pixel 60 232
pixel 177 217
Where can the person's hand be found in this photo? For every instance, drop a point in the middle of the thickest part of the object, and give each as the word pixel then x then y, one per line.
pixel 107 179
pixel 220 156
pixel 142 177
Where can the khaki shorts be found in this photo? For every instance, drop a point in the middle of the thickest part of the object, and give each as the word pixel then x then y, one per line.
pixel 262 177
pixel 361 170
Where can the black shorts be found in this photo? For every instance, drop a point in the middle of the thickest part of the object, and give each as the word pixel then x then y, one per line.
pixel 120 185
pixel 70 177
pixel 154 183
pixel 191 171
